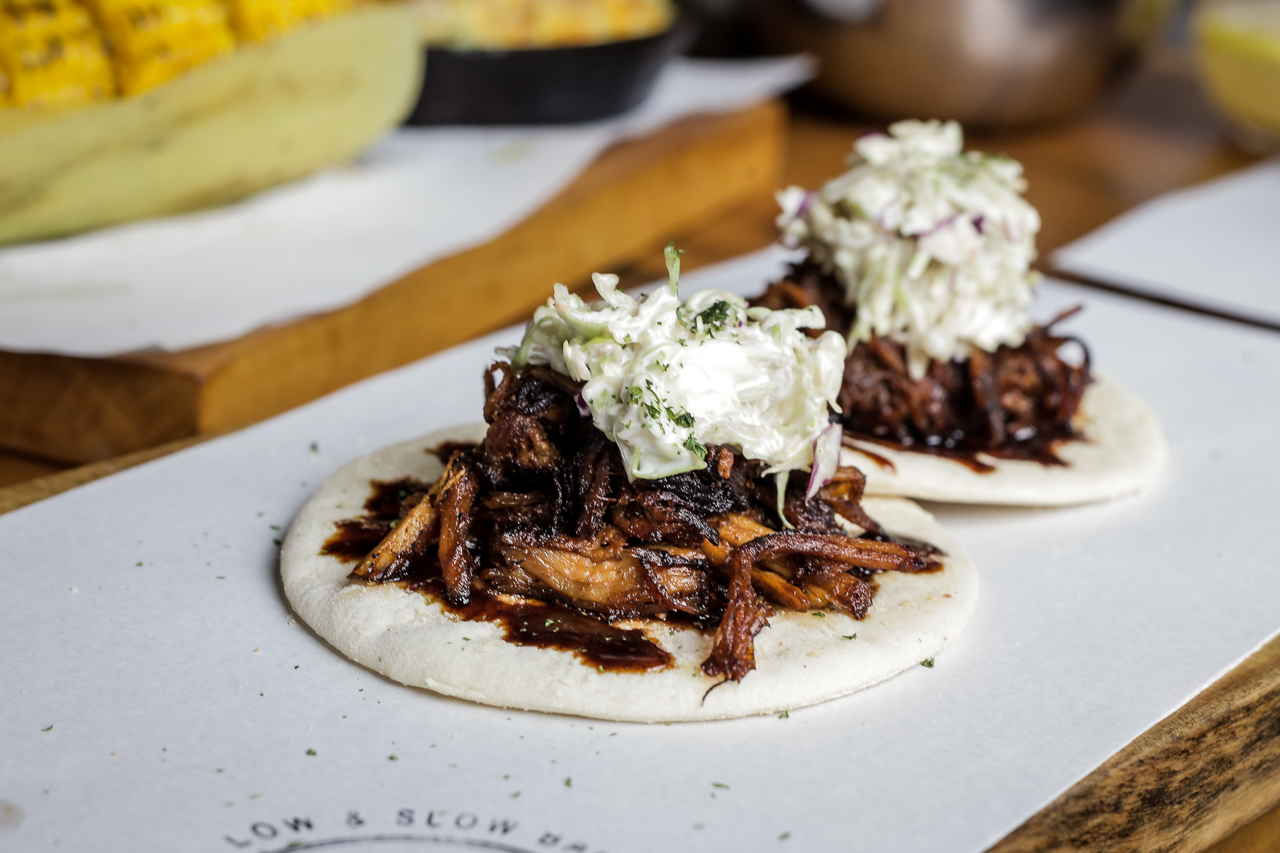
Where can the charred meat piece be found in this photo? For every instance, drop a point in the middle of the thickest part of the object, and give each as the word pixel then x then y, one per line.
pixel 410 539
pixel 458 489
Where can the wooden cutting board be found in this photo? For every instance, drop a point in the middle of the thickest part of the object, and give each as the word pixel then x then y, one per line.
pixel 627 204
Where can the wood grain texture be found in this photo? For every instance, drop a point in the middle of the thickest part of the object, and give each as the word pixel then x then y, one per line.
pixel 1260 836
pixel 636 196
pixel 1198 776
pixel 18 468
pixel 33 491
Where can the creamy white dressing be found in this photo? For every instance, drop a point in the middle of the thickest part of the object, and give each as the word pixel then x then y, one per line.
pixel 933 244
pixel 665 378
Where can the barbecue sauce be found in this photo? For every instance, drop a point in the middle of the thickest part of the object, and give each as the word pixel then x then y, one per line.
pixel 446 449
pixel 1043 451
pixel 356 537
pixel 883 462
pixel 547 625
pixel 550 625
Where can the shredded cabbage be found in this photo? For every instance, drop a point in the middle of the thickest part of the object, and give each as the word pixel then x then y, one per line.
pixel 933 245
pixel 664 379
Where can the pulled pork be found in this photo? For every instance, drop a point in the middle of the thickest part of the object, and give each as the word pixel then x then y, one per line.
pixel 1017 402
pixel 543 510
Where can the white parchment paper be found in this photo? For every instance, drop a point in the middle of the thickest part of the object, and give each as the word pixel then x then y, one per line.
pixel 1216 246
pixel 318 244
pixel 156 694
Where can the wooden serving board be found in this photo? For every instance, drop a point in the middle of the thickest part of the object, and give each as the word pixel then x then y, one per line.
pixel 628 203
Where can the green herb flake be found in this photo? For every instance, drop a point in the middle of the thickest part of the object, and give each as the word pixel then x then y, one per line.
pixel 568 781
pixel 927 663
pixel 635 394
pixel 47 728
pixel 819 614
pixel 716 317
pixel 392 758
pixel 311 752
pixel 850 636
pixel 719 785
pixel 785 715
pixel 698 448
pixel 784 836
pixel 683 419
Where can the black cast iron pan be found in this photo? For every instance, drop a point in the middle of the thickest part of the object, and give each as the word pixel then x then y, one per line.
pixel 544 85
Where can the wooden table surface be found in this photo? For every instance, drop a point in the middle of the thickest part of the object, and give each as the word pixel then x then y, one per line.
pixel 1210 775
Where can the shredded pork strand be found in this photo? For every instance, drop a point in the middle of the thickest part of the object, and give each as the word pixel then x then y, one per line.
pixel 543 510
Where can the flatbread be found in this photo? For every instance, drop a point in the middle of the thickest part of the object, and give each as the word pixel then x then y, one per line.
pixel 1122 451
pixel 802 659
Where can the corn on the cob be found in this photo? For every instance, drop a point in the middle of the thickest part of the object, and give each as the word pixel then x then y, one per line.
pixel 257 20
pixel 51 55
pixel 152 41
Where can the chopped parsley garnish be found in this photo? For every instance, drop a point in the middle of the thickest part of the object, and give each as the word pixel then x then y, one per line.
pixel 683 419
pixel 850 636
pixel 311 752
pixel 716 317
pixel 698 448
pixel 927 663
pixel 635 394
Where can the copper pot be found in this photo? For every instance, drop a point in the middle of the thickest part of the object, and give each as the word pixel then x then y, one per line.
pixel 981 62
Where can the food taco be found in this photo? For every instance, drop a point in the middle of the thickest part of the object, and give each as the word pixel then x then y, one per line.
pixel 651 525
pixel 921 256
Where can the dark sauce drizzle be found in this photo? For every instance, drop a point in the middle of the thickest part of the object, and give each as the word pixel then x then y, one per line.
pixel 551 625
pixel 1033 450
pixel 445 449
pixel 356 537
pixel 547 625
pixel 882 462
